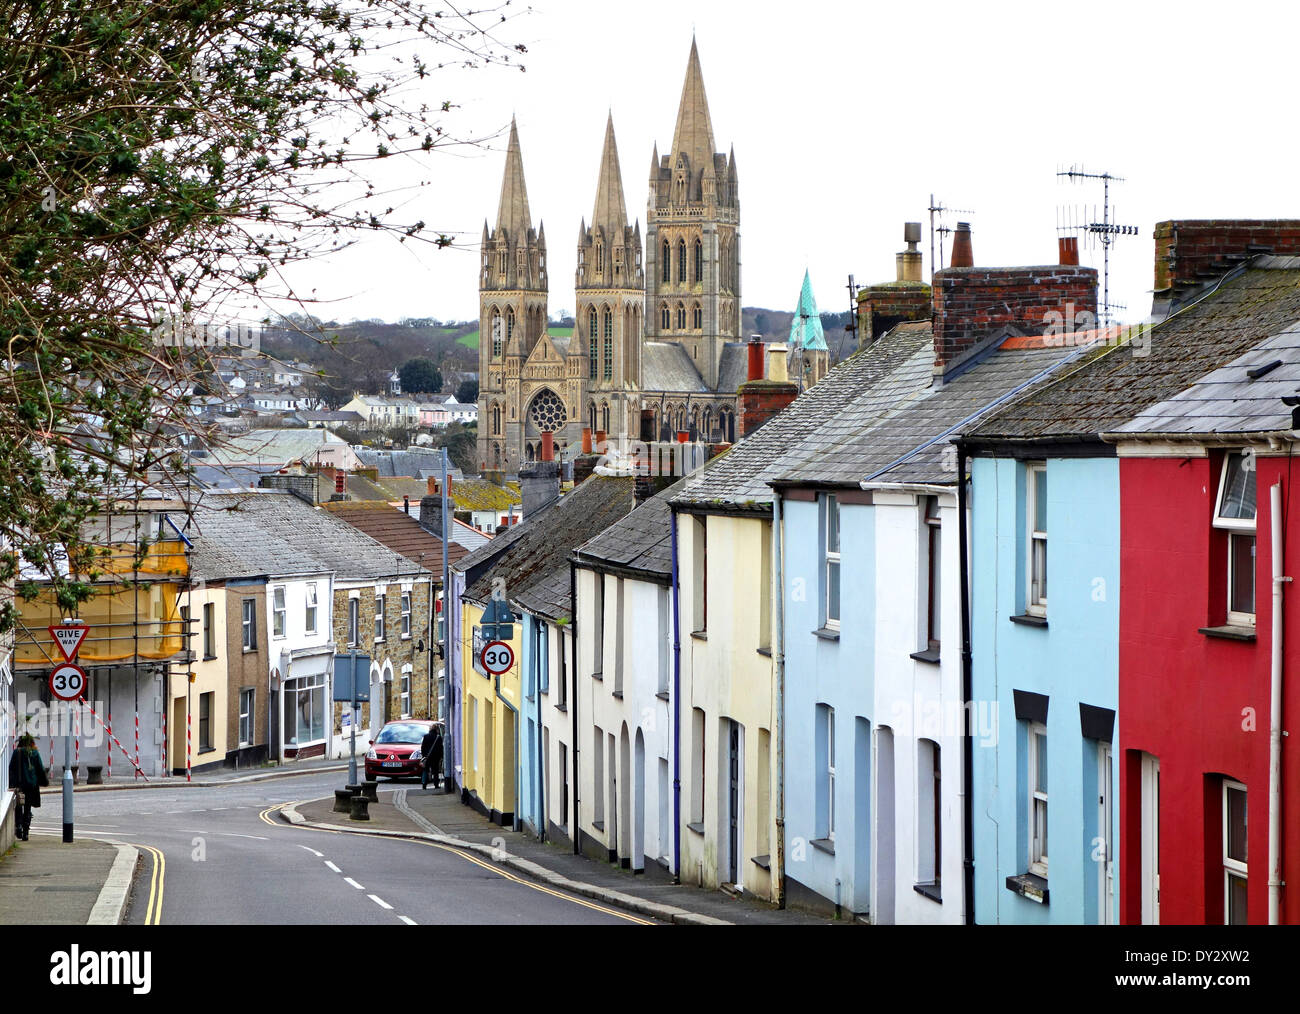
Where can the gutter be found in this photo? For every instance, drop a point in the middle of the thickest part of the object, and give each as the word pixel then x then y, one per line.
pixel 1275 881
pixel 967 696
pixel 778 658
pixel 677 705
pixel 573 703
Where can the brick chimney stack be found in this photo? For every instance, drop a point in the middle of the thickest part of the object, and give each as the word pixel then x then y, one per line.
pixel 1190 253
pixel 963 256
pixel 762 398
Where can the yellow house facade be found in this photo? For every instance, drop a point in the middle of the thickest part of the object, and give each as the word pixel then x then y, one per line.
pixel 490 721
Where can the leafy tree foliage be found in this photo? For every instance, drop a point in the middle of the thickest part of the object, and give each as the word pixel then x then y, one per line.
pixel 467 392
pixel 160 164
pixel 420 376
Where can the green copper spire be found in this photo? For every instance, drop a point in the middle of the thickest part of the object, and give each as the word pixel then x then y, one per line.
pixel 806 328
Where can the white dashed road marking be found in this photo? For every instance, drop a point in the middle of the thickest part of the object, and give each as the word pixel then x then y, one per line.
pixel 318 855
pixel 332 866
pixel 408 920
pixel 353 883
pixel 380 901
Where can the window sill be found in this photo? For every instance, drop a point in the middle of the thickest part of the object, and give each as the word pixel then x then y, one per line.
pixel 250 651
pixel 930 891
pixel 929 655
pixel 765 652
pixel 827 634
pixel 209 658
pixel 406 637
pixel 700 635
pixel 1230 632
pixel 618 694
pixel 662 695
pixel 826 845
pixel 598 676
pixel 1029 885
pixel 561 706
pixel 697 828
pixel 599 825
pixel 1030 620
pixel 762 862
pixel 206 749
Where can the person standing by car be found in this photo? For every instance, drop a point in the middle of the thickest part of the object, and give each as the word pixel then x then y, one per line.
pixel 26 776
pixel 431 751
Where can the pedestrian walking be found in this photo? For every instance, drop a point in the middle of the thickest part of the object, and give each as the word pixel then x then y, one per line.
pixel 26 777
pixel 431 751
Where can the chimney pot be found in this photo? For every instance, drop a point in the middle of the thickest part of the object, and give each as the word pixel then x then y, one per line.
pixel 431 486
pixel 962 254
pixel 548 445
pixel 755 366
pixel 1069 249
pixel 586 440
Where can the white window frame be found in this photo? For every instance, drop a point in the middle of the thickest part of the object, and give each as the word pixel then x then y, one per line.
pixel 247 700
pixel 1035 600
pixel 1037 796
pixel 279 611
pixel 1232 868
pixel 406 616
pixel 209 630
pixel 248 622
pixel 310 610
pixel 406 691
pixel 831 558
pixel 830 773
pixel 381 606
pixel 1237 528
pixel 354 621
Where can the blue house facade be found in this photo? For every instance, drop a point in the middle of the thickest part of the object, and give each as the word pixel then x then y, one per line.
pixel 1052 675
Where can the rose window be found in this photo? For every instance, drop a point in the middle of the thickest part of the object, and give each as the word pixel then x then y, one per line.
pixel 547 412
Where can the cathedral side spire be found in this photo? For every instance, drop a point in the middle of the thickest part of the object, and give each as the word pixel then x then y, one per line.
pixel 512 214
pixel 610 212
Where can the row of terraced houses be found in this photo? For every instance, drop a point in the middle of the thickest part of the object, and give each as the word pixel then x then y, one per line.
pixel 992 624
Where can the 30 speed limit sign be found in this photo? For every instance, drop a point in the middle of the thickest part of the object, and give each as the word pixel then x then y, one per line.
pixel 68 681
pixel 497 657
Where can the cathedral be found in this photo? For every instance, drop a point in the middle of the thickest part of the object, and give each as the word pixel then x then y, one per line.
pixel 656 348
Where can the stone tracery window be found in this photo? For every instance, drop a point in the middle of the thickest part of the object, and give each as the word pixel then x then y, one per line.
pixel 547 412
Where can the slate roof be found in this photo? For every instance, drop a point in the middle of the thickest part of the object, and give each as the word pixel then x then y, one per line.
pixel 535 565
pixel 1227 400
pixel 733 368
pixel 1112 385
pixel 739 478
pixel 275 534
pixel 393 463
pixel 267 446
pixel 665 366
pixel 898 430
pixel 642 541
pixel 481 495
pixel 398 531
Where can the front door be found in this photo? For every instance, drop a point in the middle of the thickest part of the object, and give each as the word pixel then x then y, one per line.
pixel 1150 839
pixel 1106 830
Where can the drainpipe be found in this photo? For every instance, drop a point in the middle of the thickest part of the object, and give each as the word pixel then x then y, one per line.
pixel 677 710
pixel 573 698
pixel 1275 716
pixel 515 822
pixel 778 653
pixel 541 744
pixel 967 692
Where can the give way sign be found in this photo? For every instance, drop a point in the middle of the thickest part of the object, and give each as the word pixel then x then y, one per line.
pixel 68 636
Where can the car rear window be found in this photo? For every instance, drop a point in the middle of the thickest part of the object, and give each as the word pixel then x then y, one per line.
pixel 402 733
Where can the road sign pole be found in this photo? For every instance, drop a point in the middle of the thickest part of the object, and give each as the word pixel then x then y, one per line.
pixel 352 679
pixel 67 772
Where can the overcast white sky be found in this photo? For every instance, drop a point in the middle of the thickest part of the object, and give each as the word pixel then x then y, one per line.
pixel 845 117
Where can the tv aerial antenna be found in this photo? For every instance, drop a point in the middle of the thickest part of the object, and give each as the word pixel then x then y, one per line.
pixel 1103 230
pixel 937 210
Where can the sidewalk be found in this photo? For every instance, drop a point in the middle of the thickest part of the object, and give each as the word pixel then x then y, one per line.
pixel 410 810
pixel 45 882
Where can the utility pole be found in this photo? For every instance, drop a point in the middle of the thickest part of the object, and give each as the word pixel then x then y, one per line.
pixel 445 709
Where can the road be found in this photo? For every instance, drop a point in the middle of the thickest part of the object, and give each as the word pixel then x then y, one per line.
pixel 220 855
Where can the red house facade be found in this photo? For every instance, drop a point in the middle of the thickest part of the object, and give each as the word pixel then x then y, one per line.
pixel 1196 652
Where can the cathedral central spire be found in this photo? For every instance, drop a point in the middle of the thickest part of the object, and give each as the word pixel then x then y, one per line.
pixel 512 212
pixel 693 134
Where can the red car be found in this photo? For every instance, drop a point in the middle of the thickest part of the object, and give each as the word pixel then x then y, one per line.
pixel 395 752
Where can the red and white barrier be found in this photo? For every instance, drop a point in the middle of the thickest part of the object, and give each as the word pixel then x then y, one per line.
pixel 109 731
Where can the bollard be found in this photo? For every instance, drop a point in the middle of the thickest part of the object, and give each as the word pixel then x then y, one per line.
pixel 94 775
pixel 371 790
pixel 342 801
pixel 360 808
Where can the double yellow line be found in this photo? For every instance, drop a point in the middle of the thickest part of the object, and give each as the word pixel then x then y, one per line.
pixel 153 911
pixel 470 857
